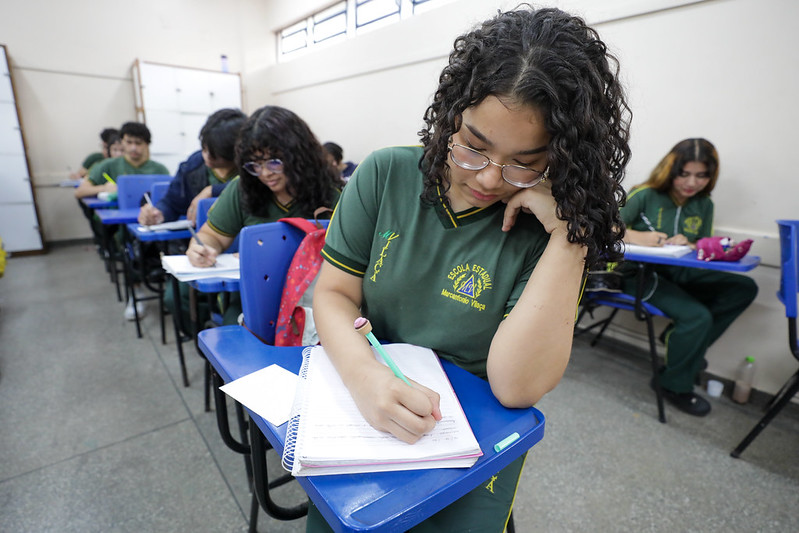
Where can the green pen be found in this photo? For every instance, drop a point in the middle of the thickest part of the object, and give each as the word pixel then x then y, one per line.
pixel 364 327
pixel 108 178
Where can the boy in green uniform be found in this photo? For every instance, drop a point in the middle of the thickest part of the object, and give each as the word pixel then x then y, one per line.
pixel 136 160
pixel 102 177
pixel 674 207
pixel 475 245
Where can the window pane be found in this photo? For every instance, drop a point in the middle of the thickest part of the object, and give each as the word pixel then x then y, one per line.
pixel 330 22
pixel 294 38
pixel 369 11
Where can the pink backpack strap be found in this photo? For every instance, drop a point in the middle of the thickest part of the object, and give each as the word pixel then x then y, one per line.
pixel 305 225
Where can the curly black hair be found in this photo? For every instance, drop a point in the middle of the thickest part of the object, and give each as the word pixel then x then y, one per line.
pixel 551 60
pixel 279 133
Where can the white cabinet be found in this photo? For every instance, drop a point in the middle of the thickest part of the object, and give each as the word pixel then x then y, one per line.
pixel 175 102
pixel 19 224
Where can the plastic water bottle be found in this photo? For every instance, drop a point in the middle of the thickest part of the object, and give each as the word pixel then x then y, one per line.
pixel 743 380
pixel 224 63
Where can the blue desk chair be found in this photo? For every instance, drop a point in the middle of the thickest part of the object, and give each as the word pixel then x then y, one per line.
pixel 787 294
pixel 130 190
pixel 643 312
pixel 266 251
pixel 158 191
pixel 180 322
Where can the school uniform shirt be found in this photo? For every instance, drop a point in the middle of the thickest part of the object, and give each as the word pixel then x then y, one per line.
pixel 92 159
pixel 431 277
pixel 227 216
pixel 119 166
pixel 694 219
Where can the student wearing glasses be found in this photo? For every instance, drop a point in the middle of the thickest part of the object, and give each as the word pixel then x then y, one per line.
pixel 475 244
pixel 284 172
pixel 674 207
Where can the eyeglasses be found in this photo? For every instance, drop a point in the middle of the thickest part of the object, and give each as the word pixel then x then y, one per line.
pixel 256 167
pixel 517 175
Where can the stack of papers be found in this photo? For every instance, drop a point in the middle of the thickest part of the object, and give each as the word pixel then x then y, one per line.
pixel 227 266
pixel 170 226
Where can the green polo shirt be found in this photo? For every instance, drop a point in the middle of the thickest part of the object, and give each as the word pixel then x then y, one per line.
pixel 119 166
pixel 431 277
pixel 227 216
pixel 91 159
pixel 694 219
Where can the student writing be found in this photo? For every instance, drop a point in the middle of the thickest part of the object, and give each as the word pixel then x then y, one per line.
pixel 475 243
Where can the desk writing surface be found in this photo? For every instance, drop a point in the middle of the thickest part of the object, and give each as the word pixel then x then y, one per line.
pixel 95 203
pixel 747 263
pixel 135 229
pixel 384 501
pixel 117 216
pixel 216 285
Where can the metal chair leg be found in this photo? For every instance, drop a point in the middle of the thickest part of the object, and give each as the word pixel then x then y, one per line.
pixel 776 407
pixel 653 354
pixel 259 446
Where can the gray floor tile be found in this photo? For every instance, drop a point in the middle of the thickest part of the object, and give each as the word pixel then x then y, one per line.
pixel 99 433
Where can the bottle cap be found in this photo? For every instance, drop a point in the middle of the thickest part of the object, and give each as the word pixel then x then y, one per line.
pixel 750 359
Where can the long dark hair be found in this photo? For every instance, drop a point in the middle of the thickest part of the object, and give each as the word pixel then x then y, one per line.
pixel 552 61
pixel 281 134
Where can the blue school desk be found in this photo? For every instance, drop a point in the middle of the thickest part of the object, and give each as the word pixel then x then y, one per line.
pixel 141 234
pixel 745 264
pixel 117 216
pixel 385 501
pixel 95 203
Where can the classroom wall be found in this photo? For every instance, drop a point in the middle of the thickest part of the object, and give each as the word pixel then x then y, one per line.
pixel 71 63
pixel 721 69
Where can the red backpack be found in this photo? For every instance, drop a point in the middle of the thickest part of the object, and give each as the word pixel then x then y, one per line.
pixel 295 325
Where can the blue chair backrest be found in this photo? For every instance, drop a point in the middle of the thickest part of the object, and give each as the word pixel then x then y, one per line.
pixel 131 188
pixel 789 260
pixel 158 191
pixel 265 253
pixel 203 206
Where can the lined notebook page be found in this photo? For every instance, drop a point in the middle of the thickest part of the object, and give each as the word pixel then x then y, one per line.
pixel 333 437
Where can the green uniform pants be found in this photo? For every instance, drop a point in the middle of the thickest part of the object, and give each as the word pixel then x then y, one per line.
pixel 701 304
pixel 483 510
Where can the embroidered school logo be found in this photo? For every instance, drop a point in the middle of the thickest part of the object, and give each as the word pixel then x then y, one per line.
pixel 388 236
pixel 692 225
pixel 468 282
pixel 490 486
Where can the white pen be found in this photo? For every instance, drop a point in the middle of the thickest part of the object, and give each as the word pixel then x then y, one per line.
pixel 647 222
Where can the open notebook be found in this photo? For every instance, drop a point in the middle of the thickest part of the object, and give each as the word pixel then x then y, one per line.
pixel 227 266
pixel 328 435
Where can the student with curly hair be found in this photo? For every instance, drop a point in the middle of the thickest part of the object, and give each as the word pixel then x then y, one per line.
pixel 476 243
pixel 284 172
pixel 674 207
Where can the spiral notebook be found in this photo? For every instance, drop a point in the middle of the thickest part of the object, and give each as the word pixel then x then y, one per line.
pixel 328 435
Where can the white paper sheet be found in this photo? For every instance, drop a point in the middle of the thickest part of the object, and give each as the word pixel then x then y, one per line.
pixel 268 392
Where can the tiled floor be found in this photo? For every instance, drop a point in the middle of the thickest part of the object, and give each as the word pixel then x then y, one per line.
pixel 98 434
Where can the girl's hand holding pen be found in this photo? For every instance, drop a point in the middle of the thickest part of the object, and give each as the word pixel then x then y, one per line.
pixel 200 255
pixel 389 405
pixel 652 238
